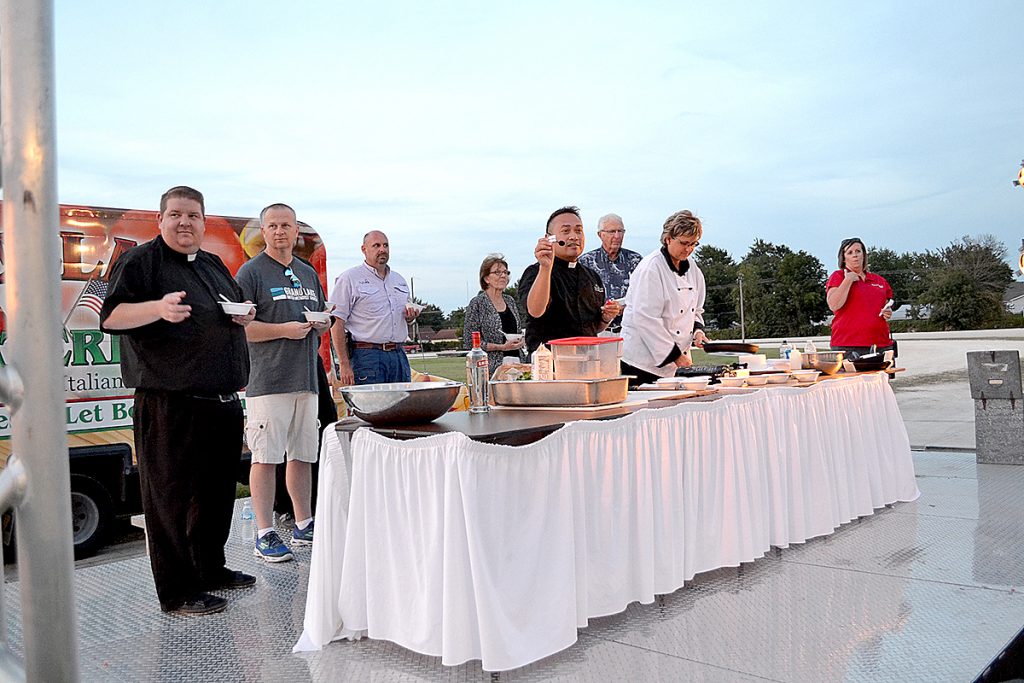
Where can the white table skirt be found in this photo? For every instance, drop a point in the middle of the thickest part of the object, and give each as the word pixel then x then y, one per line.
pixel 465 550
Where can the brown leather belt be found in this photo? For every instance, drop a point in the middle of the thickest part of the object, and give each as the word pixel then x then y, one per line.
pixel 386 346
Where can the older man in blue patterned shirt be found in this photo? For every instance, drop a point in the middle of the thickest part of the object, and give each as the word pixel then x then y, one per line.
pixel 611 261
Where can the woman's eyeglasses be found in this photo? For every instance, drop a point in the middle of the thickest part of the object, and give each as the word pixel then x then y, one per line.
pixel 499 273
pixel 296 282
pixel 687 245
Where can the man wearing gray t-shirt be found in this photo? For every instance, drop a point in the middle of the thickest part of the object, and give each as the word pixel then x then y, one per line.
pixel 281 397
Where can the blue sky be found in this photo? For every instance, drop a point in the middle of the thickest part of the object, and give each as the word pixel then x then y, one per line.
pixel 457 127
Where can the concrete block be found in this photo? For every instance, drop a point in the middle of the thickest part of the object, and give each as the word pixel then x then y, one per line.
pixel 994 374
pixel 999 431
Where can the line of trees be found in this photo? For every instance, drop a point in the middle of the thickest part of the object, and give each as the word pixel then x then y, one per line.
pixel 960 285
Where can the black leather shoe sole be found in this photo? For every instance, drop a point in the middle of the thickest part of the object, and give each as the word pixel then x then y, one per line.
pixel 235 579
pixel 201 604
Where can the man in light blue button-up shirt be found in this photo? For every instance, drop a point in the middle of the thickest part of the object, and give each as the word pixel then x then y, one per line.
pixel 372 304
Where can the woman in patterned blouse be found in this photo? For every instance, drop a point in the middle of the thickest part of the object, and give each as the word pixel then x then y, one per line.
pixel 493 313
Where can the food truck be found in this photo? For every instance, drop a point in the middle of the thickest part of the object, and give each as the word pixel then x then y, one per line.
pixel 98 415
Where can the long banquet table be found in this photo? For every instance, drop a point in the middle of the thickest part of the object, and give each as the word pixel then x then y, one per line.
pixel 467 550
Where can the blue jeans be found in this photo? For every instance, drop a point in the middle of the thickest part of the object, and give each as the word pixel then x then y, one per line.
pixel 373 366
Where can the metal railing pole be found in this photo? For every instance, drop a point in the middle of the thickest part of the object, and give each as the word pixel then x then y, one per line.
pixel 32 261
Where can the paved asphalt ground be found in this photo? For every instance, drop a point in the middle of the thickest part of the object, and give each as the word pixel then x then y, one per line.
pixel 933 394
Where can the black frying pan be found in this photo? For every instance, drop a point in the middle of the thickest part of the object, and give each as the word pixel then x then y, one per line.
pixel 730 347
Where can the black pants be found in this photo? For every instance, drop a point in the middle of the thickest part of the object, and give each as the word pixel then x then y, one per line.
pixel 637 376
pixel 188 450
pixel 864 350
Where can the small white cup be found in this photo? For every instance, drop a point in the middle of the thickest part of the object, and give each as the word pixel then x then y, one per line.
pixel 317 316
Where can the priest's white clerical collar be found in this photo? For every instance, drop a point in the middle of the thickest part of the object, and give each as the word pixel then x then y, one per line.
pixel 191 257
pixel 572 264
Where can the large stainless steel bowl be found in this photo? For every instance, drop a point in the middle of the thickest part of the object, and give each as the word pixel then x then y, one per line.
pixel 827 362
pixel 401 402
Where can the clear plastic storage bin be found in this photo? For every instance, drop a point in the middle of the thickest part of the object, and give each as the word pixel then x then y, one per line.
pixel 586 357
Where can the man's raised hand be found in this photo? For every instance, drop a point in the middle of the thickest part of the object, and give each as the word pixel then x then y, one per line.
pixel 171 309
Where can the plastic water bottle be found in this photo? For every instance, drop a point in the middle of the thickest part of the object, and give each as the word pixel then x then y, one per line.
pixel 479 374
pixel 809 347
pixel 785 349
pixel 248 523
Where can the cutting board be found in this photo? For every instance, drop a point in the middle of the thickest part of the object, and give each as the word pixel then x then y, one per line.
pixel 576 409
pixel 633 399
pixel 670 395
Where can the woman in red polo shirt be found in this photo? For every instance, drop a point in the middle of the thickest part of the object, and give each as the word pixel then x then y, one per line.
pixel 861 301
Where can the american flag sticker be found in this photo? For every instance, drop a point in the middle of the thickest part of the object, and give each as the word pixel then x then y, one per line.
pixel 93 295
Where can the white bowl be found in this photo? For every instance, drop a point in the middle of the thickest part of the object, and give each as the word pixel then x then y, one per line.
pixel 317 316
pixel 733 381
pixel 778 377
pixel 805 375
pixel 757 380
pixel 513 336
pixel 235 308
pixel 695 383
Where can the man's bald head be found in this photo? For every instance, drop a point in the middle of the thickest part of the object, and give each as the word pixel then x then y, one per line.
pixel 376 249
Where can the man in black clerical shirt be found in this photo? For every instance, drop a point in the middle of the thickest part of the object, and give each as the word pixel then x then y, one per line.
pixel 186 360
pixel 563 298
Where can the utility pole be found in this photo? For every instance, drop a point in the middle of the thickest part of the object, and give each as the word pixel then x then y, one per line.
pixel 743 318
pixel 416 321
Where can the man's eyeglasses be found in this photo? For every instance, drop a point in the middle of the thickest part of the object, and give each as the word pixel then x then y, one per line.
pixel 614 232
pixel 685 244
pixel 296 282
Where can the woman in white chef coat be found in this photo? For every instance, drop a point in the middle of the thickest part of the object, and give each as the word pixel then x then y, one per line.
pixel 665 304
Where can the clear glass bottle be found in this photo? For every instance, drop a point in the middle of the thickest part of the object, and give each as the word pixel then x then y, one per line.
pixel 809 347
pixel 478 373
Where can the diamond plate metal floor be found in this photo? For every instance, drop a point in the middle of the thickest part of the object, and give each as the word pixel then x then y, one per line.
pixel 923 591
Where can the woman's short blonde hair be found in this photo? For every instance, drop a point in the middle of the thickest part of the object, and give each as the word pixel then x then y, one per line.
pixel 681 224
pixel 485 268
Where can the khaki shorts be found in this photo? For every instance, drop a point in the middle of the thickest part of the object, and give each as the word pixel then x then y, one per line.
pixel 279 424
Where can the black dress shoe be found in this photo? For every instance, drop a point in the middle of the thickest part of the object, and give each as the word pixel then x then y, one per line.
pixel 234 579
pixel 199 604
